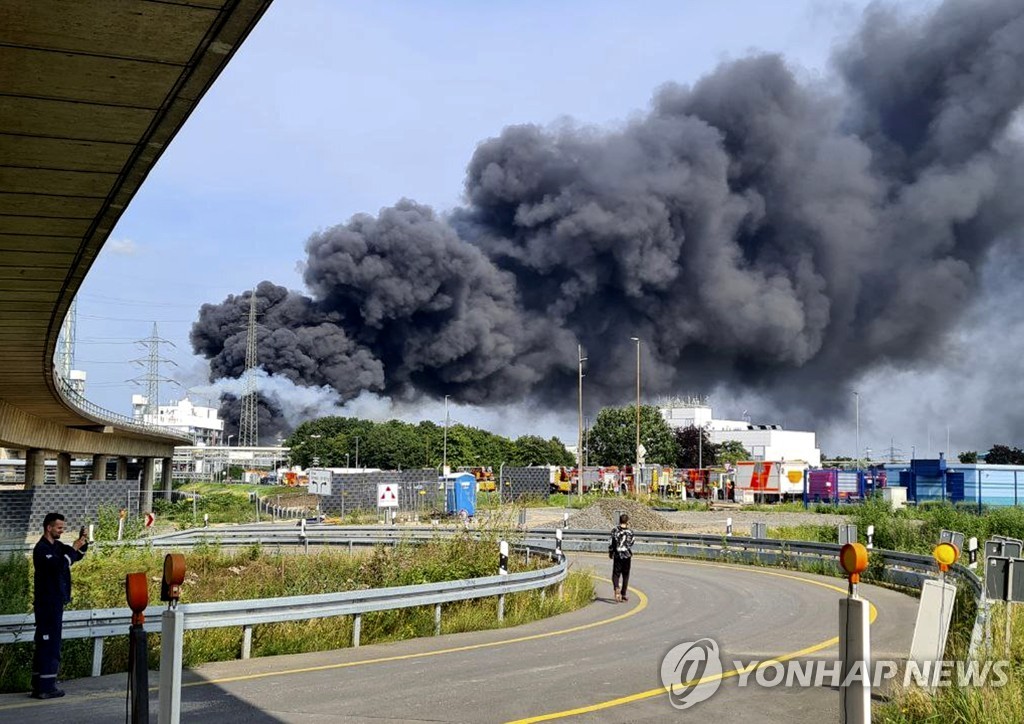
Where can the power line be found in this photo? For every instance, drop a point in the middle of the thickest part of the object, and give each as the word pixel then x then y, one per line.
pixel 136 319
pixel 152 377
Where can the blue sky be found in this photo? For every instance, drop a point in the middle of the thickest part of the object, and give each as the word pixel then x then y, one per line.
pixel 335 108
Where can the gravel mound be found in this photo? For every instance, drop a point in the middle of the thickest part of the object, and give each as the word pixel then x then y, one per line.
pixel 603 515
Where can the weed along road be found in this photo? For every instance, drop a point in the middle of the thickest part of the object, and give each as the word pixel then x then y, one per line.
pixel 599 664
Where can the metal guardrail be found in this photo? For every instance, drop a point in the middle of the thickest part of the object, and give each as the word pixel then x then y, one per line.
pixel 904 569
pixel 97 624
pixel 75 399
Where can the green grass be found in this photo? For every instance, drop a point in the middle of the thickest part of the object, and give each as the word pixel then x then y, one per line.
pixel 806 532
pixel 214 574
pixel 965 704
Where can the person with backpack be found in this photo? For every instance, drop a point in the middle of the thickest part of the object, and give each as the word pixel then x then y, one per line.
pixel 620 550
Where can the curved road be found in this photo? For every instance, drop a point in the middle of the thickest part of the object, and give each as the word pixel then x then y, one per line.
pixel 599 664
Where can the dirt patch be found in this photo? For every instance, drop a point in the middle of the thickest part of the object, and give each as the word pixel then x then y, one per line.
pixel 603 515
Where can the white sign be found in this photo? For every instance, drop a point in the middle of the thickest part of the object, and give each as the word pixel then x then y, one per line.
pixel 319 482
pixel 387 495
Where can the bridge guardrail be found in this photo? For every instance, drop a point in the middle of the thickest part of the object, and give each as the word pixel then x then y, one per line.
pixel 75 399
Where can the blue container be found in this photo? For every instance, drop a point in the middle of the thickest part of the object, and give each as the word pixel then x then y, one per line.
pixel 460 493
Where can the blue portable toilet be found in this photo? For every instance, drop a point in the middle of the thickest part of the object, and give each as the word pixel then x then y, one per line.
pixel 460 493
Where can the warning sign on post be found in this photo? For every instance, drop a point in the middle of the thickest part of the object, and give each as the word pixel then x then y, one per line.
pixel 387 495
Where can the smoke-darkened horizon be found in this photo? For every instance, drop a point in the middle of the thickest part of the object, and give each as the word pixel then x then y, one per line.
pixel 754 231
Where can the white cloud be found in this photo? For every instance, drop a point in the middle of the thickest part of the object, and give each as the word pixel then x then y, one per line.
pixel 121 247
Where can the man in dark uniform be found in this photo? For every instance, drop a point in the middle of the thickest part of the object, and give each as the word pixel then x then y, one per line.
pixel 52 561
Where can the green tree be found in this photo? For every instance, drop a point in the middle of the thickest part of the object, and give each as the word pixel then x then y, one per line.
pixel 327 439
pixel 694 448
pixel 613 436
pixel 535 450
pixel 969 457
pixel 393 445
pixel 730 452
pixel 1004 455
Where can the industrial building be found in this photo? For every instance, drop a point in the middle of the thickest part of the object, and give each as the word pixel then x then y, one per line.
pixel 763 442
pixel 969 483
pixel 202 424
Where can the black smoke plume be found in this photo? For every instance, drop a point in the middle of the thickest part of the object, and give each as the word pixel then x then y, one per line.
pixel 754 231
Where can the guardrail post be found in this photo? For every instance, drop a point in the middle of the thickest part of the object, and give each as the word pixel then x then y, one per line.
pixel 357 628
pixel 171 639
pixel 246 641
pixel 437 619
pixel 854 641
pixel 855 653
pixel 97 656
pixel 502 571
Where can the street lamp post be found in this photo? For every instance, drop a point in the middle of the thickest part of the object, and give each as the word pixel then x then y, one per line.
pixel 700 447
pixel 856 397
pixel 357 451
pixel 579 439
pixel 444 453
pixel 637 450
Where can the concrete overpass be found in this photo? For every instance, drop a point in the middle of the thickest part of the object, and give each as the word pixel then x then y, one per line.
pixel 91 93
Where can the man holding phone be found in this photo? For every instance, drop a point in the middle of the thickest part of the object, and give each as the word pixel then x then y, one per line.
pixel 52 561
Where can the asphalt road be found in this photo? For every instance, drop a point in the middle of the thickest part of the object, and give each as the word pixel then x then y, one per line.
pixel 604 659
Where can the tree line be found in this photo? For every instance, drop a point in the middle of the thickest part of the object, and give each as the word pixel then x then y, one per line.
pixel 997 455
pixel 337 442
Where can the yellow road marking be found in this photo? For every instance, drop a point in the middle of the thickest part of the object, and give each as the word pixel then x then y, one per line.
pixel 650 693
pixel 640 606
pixel 470 647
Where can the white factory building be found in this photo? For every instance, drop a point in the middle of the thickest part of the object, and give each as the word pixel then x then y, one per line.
pixel 202 424
pixel 763 442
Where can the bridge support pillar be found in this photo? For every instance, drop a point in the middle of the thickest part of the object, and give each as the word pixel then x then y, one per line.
pixel 35 467
pixel 99 467
pixel 166 468
pixel 122 468
pixel 148 473
pixel 63 468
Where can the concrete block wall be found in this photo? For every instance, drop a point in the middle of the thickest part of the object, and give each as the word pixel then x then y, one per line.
pixel 358 491
pixel 22 511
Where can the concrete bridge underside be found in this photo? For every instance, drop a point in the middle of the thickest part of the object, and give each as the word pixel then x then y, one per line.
pixel 91 93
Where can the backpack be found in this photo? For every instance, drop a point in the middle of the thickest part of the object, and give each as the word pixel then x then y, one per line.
pixel 622 540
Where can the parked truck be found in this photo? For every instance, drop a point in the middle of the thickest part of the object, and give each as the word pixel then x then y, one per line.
pixel 769 480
